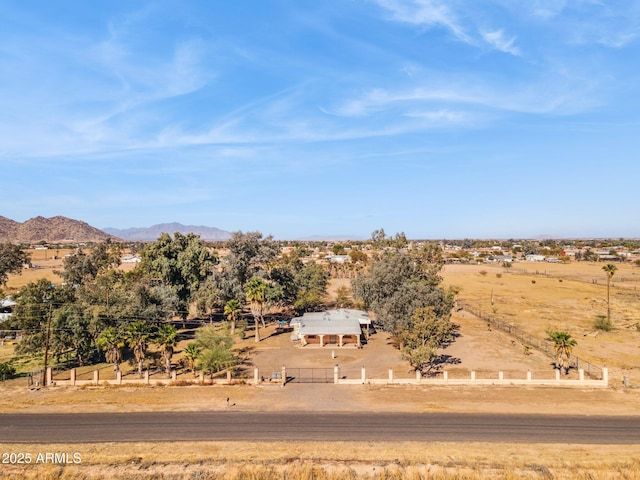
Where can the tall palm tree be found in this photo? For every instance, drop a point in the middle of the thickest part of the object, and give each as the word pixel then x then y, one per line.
pixel 138 335
pixel 255 292
pixel 111 342
pixel 563 345
pixel 232 311
pixel 165 338
pixel 191 353
pixel 610 270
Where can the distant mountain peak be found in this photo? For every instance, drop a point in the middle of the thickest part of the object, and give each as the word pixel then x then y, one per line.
pixel 150 234
pixel 56 229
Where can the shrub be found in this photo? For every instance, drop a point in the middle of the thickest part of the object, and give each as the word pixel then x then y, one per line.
pixel 482 272
pixel 603 323
pixel 6 371
pixel 498 275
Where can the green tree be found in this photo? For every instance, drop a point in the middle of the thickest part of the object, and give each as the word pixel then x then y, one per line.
pixel 399 282
pixel 182 262
pixel 610 269
pixel 111 341
pixel 12 258
pixel 255 292
pixel 191 354
pixel 7 371
pixel 81 268
pixel 311 282
pixel 250 255
pixel 338 249
pixel 216 350
pixel 36 305
pixel 426 333
pixel 166 338
pixel 343 297
pixel 73 331
pixel 232 312
pixel 563 345
pixel 138 335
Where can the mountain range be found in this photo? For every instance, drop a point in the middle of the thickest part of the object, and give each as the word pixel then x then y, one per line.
pixel 50 230
pixel 149 234
pixel 61 229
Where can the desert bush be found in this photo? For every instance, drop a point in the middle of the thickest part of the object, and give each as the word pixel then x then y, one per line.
pixel 498 275
pixel 6 370
pixel 602 322
pixel 482 272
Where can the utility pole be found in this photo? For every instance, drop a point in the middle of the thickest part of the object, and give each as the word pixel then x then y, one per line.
pixel 46 347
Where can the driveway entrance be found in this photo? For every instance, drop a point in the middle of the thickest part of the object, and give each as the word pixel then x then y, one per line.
pixel 309 375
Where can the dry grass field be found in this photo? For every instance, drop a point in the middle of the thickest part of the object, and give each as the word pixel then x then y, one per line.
pixel 541 296
pixel 332 461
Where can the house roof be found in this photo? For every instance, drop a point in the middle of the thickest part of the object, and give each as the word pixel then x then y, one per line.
pixel 332 322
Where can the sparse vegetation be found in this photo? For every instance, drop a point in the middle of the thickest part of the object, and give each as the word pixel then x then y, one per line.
pixel 602 323
pixel 7 371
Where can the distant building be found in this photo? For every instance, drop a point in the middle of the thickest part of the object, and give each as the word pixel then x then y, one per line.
pixel 534 258
pixel 131 259
pixel 6 308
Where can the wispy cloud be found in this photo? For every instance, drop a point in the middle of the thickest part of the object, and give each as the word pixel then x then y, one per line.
pixel 498 40
pixel 427 14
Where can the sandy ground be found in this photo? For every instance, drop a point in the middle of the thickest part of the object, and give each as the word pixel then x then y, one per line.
pixel 486 352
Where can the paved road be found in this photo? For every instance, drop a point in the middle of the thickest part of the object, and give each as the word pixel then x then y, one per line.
pixel 300 426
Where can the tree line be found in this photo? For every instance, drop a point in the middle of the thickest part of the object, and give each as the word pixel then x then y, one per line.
pixel 99 309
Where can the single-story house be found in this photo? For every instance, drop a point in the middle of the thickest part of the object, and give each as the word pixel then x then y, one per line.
pixel 332 327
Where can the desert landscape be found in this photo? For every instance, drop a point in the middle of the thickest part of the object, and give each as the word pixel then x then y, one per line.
pixel 533 297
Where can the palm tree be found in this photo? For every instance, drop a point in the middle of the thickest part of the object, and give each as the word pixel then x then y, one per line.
pixel 255 292
pixel 563 345
pixel 165 338
pixel 232 311
pixel 610 270
pixel 111 342
pixel 191 353
pixel 137 336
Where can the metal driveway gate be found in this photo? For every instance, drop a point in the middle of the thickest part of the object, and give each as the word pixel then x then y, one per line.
pixel 309 375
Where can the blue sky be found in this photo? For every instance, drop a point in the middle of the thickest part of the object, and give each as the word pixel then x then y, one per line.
pixel 439 118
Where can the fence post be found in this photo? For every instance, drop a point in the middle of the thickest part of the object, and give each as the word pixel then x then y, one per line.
pixel 73 377
pixel 146 377
pixel 390 376
pixel 581 375
pixel 174 375
pixel 284 375
pixel 557 375
pixel 256 376
pixel 96 376
pixel 119 377
pixel 445 376
pixel 605 376
pixel 49 377
pixel 473 375
pixel 528 375
pixel 336 373
pixel 501 376
pixel 363 375
pixel 418 376
pixel 229 377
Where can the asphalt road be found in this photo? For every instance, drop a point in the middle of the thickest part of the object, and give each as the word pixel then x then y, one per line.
pixel 301 426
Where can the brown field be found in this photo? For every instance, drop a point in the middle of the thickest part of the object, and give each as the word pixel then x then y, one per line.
pixel 541 296
pixel 534 297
